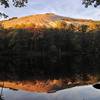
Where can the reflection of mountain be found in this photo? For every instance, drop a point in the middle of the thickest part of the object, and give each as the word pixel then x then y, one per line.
pixel 48 20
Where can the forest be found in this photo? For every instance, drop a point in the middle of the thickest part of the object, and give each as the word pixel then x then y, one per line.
pixel 48 53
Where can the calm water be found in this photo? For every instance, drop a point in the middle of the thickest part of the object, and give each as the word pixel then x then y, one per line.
pixel 75 93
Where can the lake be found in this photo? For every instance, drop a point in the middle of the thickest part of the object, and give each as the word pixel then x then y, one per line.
pixel 87 92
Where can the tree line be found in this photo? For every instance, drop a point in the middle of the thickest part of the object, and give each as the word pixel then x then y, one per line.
pixel 49 53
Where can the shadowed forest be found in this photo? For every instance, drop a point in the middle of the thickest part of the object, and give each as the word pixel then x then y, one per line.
pixel 48 53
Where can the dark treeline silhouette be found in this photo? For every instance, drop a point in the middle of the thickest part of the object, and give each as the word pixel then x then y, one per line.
pixel 48 53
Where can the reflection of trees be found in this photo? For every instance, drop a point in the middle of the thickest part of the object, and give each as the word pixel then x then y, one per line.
pixel 49 52
pixel 1 94
pixel 2 98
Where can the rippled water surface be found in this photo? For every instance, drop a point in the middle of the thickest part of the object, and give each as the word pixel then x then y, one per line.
pixel 75 93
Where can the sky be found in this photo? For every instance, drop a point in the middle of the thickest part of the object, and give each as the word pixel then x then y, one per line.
pixel 68 8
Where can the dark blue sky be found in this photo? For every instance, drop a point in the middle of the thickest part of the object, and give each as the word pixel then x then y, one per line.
pixel 69 8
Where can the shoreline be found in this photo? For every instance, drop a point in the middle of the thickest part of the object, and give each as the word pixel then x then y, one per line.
pixel 48 86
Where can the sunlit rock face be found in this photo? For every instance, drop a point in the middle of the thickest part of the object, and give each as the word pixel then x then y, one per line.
pixel 49 20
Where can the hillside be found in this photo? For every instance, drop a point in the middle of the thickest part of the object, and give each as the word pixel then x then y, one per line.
pixel 49 20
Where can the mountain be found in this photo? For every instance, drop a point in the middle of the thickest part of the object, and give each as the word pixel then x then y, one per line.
pixel 49 20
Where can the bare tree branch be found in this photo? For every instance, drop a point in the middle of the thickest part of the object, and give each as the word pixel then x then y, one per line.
pixel 87 3
pixel 16 3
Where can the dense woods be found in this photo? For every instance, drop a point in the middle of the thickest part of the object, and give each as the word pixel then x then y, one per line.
pixel 48 53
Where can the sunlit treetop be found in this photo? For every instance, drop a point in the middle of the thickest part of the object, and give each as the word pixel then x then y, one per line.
pixel 87 3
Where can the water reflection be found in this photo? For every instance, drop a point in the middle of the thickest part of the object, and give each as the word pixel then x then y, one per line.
pixel 1 94
pixel 79 93
pixel 75 93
